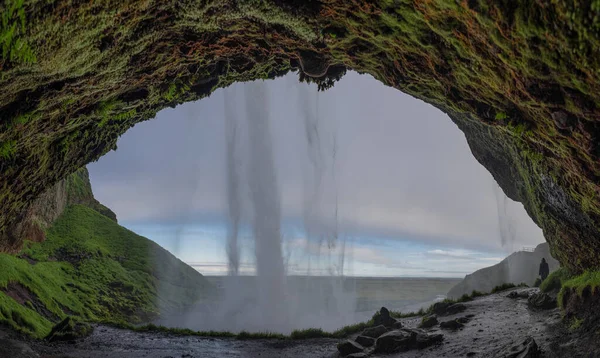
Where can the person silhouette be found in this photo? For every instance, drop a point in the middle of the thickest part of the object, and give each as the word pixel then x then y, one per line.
pixel 544 269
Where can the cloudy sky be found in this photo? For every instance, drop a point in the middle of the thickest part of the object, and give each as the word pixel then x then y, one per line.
pixel 411 200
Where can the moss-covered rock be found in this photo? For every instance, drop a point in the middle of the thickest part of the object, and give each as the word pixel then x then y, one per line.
pixel 521 79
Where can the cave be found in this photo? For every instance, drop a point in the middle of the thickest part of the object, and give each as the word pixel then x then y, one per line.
pixel 498 71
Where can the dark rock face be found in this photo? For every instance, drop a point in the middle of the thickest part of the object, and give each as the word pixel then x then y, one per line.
pixel 349 347
pixel 542 301
pixel 428 321
pixel 75 189
pixel 374 332
pixel 526 349
pixel 365 341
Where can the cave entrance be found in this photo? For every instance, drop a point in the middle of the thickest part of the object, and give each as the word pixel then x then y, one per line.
pixel 391 189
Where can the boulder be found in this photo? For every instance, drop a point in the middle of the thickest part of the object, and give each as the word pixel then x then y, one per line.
pixel 424 340
pixel 365 341
pixel 527 349
pixel 69 329
pixel 455 308
pixel 519 294
pixel 452 324
pixel 349 347
pixel 462 320
pixel 395 341
pixel 439 308
pixel 384 318
pixel 542 301
pixel 374 332
pixel 428 321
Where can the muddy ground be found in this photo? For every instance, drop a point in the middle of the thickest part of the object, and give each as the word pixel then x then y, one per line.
pixel 498 322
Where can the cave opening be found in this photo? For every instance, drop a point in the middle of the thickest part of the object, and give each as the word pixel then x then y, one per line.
pixel 370 182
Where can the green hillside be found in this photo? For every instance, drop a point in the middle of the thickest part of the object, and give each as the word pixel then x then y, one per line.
pixel 94 269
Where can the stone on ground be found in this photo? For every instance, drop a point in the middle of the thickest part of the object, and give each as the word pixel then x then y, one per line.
pixel 452 324
pixel 542 301
pixel 527 349
pixel 16 349
pixel 365 341
pixel 349 347
pixel 428 321
pixel 374 332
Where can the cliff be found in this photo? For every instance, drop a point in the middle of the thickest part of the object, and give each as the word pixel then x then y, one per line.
pixel 518 267
pixel 90 268
pixel 521 79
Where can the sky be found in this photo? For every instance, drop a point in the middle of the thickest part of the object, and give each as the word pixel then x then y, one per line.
pixel 390 174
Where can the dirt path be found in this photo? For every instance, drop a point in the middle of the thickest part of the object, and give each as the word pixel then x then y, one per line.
pixel 498 322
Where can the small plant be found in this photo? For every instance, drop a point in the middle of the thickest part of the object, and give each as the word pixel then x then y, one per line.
pixel 555 280
pixel 500 116
pixel 8 149
pixel 12 24
pixel 503 287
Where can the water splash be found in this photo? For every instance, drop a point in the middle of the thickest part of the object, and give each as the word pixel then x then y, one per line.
pixel 506 223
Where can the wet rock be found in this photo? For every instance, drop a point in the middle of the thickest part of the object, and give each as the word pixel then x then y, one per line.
pixel 358 355
pixel 384 318
pixel 395 341
pixel 16 349
pixel 365 341
pixel 542 301
pixel 527 349
pixel 439 308
pixel 374 332
pixel 428 321
pixel 349 347
pixel 68 330
pixel 424 340
pixel 463 320
pixel 519 294
pixel 406 339
pixel 452 324
pixel 455 308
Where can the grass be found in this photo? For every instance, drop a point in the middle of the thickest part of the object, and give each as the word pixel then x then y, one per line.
pixel 555 280
pixel 588 281
pixel 12 31
pixel 93 269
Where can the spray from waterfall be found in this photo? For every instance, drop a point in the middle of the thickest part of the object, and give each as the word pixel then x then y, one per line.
pixel 265 201
pixel 233 185
pixel 506 223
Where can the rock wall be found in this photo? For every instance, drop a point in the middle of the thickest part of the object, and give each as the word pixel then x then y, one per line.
pixel 75 189
pixel 518 267
pixel 521 79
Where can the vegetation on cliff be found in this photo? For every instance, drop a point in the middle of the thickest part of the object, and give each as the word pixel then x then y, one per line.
pixel 520 78
pixel 93 269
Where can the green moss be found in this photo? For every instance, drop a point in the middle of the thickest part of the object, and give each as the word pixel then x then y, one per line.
pixel 555 280
pixel 589 280
pixel 8 149
pixel 95 270
pixel 12 33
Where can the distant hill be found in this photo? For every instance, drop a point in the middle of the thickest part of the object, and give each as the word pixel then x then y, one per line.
pixel 518 267
pixel 90 267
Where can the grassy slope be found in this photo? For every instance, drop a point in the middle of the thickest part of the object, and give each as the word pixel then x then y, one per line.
pixel 95 269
